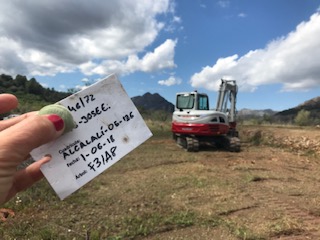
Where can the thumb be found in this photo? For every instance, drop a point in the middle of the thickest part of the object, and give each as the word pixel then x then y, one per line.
pixel 20 139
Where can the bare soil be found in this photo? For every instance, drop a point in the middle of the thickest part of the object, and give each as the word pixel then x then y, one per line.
pixel 269 190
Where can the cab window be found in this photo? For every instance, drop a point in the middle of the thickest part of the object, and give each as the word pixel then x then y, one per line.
pixel 221 119
pixel 203 103
pixel 185 101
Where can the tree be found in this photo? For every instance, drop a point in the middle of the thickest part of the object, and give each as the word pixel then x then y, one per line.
pixel 6 81
pixel 267 118
pixel 21 81
pixel 34 87
pixel 302 118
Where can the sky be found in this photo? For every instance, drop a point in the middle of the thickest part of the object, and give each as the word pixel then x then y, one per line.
pixel 270 47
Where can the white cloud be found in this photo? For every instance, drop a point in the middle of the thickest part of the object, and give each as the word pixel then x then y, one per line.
pixel 170 81
pixel 45 85
pixel 224 3
pixel 174 24
pixel 52 36
pixel 80 87
pixel 293 61
pixel 242 15
pixel 62 86
pixel 161 58
pixel 176 19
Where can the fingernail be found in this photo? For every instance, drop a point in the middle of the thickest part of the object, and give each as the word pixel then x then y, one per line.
pixel 57 121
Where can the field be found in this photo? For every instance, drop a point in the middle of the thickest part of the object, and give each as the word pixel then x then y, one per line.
pixel 269 190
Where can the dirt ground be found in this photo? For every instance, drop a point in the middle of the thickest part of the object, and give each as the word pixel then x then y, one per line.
pixel 269 190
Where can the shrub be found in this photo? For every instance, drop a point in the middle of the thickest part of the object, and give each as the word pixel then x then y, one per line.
pixel 302 118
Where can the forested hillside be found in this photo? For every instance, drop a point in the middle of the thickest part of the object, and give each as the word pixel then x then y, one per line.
pixel 32 96
pixel 307 113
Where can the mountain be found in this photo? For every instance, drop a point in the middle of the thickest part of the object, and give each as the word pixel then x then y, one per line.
pixel 245 112
pixel 312 105
pixel 152 102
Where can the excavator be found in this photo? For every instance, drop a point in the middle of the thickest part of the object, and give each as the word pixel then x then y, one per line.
pixel 194 124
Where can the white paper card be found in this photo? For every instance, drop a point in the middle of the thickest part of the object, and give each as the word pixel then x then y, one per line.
pixel 108 127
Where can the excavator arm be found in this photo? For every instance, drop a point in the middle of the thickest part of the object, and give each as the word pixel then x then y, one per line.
pixel 228 96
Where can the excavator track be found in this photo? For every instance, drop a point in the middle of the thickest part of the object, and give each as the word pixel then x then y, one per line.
pixel 192 144
pixel 234 144
pixel 228 143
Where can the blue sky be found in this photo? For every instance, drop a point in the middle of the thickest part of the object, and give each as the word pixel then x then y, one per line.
pixel 271 47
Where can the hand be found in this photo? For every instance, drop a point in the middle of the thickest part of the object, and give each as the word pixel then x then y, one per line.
pixel 18 137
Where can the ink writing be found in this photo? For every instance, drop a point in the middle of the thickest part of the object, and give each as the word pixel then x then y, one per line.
pixel 78 145
pixel 103 158
pixel 96 148
pixel 81 174
pixel 69 146
pixel 83 101
pixel 73 148
pixel 73 162
pixel 97 111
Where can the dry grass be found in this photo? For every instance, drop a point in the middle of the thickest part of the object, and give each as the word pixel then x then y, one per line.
pixel 159 191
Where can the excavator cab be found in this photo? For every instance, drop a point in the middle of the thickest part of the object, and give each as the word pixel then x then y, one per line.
pixel 193 100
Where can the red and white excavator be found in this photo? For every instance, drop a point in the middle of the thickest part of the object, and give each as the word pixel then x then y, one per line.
pixel 193 123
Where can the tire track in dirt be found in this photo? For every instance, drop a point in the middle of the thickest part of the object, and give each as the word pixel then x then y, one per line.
pixel 280 202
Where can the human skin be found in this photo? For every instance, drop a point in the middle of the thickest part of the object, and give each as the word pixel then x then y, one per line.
pixel 18 137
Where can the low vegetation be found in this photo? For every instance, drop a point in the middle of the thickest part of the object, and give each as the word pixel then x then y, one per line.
pixel 160 191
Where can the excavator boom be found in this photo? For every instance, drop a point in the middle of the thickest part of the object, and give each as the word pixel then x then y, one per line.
pixel 228 94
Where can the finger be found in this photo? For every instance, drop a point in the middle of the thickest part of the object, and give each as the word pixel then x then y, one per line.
pixel 7 102
pixel 12 121
pixel 20 139
pixel 25 178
